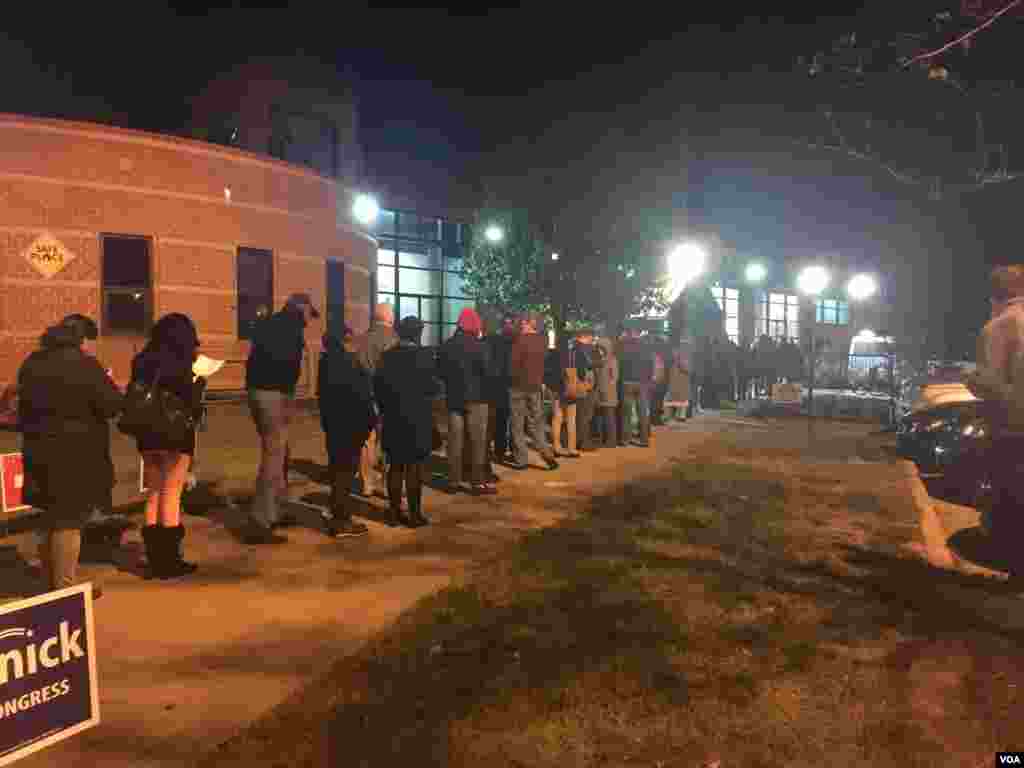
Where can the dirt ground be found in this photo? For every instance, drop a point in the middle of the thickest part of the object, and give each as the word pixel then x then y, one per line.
pixel 185 666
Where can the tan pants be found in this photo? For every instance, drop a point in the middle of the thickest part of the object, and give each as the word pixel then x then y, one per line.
pixel 567 412
pixel 369 466
pixel 58 556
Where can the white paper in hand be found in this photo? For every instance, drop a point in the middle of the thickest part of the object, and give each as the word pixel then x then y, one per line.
pixel 205 366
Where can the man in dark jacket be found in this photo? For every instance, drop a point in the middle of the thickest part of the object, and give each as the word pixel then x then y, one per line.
pixel 65 399
pixel 637 370
pixel 271 377
pixel 499 347
pixel 347 416
pixel 583 355
pixel 526 369
pixel 465 366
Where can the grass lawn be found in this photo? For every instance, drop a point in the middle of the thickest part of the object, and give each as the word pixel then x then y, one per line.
pixel 744 609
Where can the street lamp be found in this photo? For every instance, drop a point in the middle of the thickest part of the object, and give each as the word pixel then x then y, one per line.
pixel 861 287
pixel 554 257
pixel 756 273
pixel 494 233
pixel 365 209
pixel 686 262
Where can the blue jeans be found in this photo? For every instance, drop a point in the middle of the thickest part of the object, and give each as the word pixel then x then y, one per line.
pixel 272 412
pixel 636 394
pixel 528 417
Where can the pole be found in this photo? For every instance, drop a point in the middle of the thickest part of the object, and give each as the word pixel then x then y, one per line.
pixel 810 386
pixel 892 383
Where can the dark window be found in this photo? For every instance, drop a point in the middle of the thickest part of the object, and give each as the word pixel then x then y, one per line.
pixel 255 281
pixel 127 302
pixel 335 297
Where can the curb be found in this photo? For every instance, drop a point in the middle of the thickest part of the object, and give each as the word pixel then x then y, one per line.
pixel 1006 613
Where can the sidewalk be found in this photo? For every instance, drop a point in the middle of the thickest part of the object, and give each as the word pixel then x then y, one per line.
pixel 184 666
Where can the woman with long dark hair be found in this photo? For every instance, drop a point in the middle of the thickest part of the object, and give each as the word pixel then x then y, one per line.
pixel 166 362
pixel 406 384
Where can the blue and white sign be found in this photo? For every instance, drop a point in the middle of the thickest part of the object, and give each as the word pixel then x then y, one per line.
pixel 48 688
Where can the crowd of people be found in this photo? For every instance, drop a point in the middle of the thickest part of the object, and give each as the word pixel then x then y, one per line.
pixel 376 394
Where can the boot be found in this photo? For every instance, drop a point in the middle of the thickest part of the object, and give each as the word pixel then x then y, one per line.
pixel 175 564
pixel 154 552
pixel 416 517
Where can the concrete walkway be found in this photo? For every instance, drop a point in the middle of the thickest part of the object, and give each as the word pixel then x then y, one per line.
pixel 184 666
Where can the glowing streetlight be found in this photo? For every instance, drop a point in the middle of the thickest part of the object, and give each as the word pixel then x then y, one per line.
pixel 686 262
pixel 813 280
pixel 756 273
pixel 365 209
pixel 554 257
pixel 494 234
pixel 861 287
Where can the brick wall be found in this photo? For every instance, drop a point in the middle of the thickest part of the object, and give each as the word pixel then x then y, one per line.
pixel 78 181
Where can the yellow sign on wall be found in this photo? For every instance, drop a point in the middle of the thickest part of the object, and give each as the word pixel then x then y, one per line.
pixel 47 255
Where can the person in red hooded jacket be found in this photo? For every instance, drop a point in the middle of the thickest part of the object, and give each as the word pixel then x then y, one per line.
pixel 466 369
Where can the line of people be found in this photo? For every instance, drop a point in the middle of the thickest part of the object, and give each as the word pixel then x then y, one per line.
pixel 376 396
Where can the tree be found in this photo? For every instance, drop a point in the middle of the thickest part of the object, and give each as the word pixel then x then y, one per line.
pixel 895 93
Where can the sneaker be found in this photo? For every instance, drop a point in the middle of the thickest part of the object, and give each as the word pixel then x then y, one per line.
pixel 484 489
pixel 346 529
pixel 551 463
pixel 517 466
pixel 257 534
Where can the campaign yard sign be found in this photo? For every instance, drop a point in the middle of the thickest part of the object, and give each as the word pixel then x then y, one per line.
pixel 48 689
pixel 13 471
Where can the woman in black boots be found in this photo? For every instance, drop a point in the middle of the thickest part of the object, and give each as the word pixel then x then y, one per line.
pixel 166 362
pixel 347 417
pixel 405 385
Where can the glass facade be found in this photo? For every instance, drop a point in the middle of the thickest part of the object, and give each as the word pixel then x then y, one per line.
pixel 833 312
pixel 778 315
pixel 419 270
pixel 729 302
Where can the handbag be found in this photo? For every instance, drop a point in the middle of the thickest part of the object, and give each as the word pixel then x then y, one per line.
pixel 153 413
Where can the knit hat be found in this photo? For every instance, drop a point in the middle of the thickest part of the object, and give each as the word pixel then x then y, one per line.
pixel 410 329
pixel 469 321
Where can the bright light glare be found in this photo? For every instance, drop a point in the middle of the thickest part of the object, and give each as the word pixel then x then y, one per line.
pixel 554 257
pixel 365 209
pixel 813 280
pixel 867 335
pixel 686 262
pixel 756 273
pixel 494 233
pixel 862 287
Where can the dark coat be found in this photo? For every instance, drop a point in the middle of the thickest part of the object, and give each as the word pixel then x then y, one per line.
pixel 65 402
pixel 499 348
pixel 405 385
pixel 465 368
pixel 175 370
pixel 344 390
pixel 275 358
pixel 636 362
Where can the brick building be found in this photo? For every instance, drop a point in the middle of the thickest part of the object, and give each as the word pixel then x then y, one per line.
pixel 127 226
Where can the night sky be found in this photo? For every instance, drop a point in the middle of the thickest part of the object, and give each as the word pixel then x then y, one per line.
pixel 617 107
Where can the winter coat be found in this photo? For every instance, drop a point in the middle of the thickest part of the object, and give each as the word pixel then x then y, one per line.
pixel 678 380
pixel 465 367
pixel 345 395
pixel 64 404
pixel 176 376
pixel 275 358
pixel 499 348
pixel 374 343
pixel 636 364
pixel 406 384
pixel 607 385
pixel 526 361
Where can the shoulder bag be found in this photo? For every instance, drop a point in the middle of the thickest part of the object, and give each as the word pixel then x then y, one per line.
pixel 153 413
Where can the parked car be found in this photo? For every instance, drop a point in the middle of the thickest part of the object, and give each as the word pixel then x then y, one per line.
pixel 947 442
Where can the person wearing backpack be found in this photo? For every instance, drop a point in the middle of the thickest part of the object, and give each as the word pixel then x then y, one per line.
pixel 164 366
pixel 65 402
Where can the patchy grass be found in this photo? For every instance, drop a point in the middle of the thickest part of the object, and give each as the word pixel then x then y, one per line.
pixel 744 607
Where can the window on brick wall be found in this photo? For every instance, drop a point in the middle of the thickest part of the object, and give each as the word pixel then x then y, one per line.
pixel 127 285
pixel 255 285
pixel 335 297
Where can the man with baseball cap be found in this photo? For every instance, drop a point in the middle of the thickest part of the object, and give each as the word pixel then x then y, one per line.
pixel 271 377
